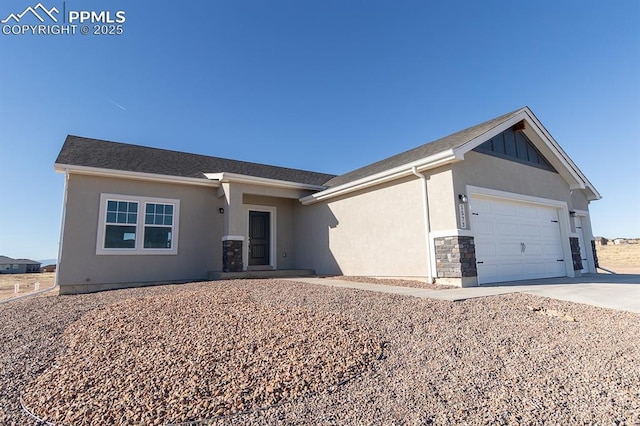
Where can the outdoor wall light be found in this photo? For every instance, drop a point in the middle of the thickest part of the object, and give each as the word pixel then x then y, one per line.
pixel 572 213
pixel 463 198
pixel 221 210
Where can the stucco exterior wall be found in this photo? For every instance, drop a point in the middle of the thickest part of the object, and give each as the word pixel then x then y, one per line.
pixel 492 172
pixel 442 199
pixel 496 173
pixel 199 247
pixel 579 201
pixel 234 195
pixel 376 232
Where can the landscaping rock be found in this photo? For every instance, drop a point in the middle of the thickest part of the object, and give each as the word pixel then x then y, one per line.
pixel 271 352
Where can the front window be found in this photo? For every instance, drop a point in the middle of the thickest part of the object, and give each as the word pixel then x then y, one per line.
pixel 137 225
pixel 158 223
pixel 122 218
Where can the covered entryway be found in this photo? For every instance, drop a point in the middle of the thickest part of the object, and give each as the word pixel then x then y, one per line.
pixel 516 240
pixel 259 238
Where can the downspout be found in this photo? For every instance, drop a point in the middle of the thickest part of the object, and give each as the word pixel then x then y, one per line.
pixel 427 228
pixel 62 222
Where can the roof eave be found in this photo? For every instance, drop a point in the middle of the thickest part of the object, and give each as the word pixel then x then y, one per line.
pixel 255 180
pixel 123 174
pixel 398 172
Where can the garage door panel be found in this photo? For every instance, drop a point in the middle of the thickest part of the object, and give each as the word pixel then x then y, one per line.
pixel 515 240
pixel 504 209
pixel 486 250
pixel 557 268
pixel 529 230
pixel 510 248
pixel 527 211
pixel 553 251
pixel 533 269
pixel 488 271
pixel 534 249
pixel 550 232
pixel 506 229
pixel 482 206
pixel 548 214
pixel 485 228
pixel 513 269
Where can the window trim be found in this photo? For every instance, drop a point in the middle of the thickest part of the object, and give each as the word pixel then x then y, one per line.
pixel 140 225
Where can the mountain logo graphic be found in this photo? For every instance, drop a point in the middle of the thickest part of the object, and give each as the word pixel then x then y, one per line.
pixel 34 11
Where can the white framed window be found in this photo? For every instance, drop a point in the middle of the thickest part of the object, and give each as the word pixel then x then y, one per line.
pixel 137 225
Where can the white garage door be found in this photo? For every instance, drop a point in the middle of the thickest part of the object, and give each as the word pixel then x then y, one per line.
pixel 515 240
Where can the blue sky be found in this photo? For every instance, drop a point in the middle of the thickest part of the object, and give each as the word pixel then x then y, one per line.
pixel 320 85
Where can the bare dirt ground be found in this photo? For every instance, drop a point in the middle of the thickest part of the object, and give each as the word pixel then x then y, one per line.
pixel 620 258
pixel 26 281
pixel 270 352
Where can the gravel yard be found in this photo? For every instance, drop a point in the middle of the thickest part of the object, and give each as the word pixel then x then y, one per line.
pixel 277 352
pixel 393 281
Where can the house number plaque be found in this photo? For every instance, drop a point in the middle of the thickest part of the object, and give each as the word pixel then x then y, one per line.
pixel 463 217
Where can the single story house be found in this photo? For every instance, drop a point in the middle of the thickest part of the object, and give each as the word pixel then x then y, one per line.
pixel 601 241
pixel 499 201
pixel 48 268
pixel 9 265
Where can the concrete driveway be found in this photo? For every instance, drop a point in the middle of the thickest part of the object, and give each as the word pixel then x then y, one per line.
pixel 613 291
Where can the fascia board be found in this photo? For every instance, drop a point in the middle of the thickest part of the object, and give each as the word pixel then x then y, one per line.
pixel 430 162
pixel 479 140
pixel 580 179
pixel 578 185
pixel 150 177
pixel 254 180
pixel 564 158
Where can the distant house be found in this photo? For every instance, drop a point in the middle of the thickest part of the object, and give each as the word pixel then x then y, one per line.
pixel 9 265
pixel 48 268
pixel 601 241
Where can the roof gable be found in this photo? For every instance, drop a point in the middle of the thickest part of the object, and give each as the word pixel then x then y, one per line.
pixel 453 148
pixel 116 156
pixel 544 143
pixel 426 150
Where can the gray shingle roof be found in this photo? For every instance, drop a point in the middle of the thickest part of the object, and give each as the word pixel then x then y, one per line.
pixel 453 141
pixel 87 152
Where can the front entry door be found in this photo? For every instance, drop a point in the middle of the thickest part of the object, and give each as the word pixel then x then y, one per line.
pixel 259 238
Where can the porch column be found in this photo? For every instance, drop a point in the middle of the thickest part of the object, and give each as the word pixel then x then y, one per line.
pixel 233 239
pixel 232 253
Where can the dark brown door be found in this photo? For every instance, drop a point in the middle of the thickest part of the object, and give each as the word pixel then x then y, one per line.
pixel 259 238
